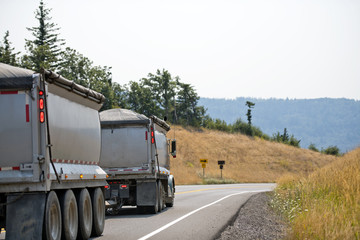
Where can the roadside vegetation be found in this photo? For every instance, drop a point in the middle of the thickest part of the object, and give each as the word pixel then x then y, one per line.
pixel 247 159
pixel 324 204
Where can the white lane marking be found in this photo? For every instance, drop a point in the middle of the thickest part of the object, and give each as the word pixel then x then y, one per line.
pixel 191 213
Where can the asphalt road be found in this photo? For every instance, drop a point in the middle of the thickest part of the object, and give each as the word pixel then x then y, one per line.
pixel 199 212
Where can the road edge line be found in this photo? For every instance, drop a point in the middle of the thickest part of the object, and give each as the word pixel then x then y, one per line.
pixel 191 213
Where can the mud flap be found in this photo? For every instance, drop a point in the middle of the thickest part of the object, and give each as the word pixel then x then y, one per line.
pixel 145 193
pixel 24 216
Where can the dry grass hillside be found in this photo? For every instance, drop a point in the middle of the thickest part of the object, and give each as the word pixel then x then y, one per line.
pixel 325 204
pixel 247 159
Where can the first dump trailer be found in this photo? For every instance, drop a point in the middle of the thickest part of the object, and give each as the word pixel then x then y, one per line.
pixel 50 140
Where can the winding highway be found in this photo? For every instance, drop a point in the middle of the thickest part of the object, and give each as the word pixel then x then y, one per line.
pixel 199 212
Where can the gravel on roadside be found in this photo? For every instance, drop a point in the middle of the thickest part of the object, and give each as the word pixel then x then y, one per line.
pixel 256 220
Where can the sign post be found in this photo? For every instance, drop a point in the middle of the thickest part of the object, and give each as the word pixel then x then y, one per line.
pixel 221 163
pixel 203 165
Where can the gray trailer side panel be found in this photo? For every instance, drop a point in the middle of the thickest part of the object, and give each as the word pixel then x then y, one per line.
pixel 124 147
pixel 74 130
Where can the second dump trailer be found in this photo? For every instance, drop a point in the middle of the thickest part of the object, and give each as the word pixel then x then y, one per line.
pixel 135 153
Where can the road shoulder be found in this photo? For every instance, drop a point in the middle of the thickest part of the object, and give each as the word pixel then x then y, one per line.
pixel 256 220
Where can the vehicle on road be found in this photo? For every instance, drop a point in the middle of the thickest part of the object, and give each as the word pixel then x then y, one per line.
pixel 50 142
pixel 135 153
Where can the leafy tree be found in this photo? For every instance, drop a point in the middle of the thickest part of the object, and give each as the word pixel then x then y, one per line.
pixel 7 54
pixel 120 95
pixel 141 99
pixel 250 105
pixel 74 66
pixel 44 51
pixel 163 87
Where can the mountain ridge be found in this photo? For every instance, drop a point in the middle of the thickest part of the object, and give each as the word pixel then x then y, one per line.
pixel 322 121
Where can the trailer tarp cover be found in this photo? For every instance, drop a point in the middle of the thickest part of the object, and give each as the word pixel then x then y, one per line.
pixel 119 117
pixel 14 77
pixel 60 81
pixel 20 78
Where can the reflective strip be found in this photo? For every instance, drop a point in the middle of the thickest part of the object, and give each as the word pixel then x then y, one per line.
pixel 74 162
pixel 10 169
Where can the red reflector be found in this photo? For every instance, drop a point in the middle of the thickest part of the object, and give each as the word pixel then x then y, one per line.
pixel 106 186
pixel 8 92
pixel 27 110
pixel 42 117
pixel 41 103
pixel 145 135
pixel 16 168
pixel 41 93
pixel 123 186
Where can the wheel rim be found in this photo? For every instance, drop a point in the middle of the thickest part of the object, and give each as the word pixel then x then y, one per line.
pixel 100 209
pixel 87 213
pixel 54 221
pixel 73 218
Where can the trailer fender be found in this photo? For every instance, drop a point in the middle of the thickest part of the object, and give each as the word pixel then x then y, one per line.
pixel 24 220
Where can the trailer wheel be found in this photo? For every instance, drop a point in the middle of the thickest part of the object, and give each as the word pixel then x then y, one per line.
pixel 52 217
pixel 85 214
pixel 69 212
pixel 98 202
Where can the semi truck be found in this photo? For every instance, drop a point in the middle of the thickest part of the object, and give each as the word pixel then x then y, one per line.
pixel 135 153
pixel 51 185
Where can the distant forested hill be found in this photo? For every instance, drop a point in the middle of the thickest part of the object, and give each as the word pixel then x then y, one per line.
pixel 323 121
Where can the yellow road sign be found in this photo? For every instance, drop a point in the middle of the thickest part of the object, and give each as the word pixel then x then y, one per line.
pixel 203 165
pixel 203 161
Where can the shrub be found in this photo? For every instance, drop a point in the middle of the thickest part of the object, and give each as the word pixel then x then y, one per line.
pixel 332 150
pixel 313 147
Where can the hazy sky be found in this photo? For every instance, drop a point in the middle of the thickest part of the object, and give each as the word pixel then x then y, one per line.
pixel 225 49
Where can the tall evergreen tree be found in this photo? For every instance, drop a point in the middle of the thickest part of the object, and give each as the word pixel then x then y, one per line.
pixel 7 54
pixel 187 110
pixel 250 105
pixel 45 49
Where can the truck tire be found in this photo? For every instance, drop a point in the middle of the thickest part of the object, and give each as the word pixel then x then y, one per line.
pixel 52 228
pixel 98 202
pixel 154 209
pixel 171 203
pixel 69 212
pixel 85 214
pixel 161 197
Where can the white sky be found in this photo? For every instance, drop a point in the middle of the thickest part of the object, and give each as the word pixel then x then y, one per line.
pixel 224 48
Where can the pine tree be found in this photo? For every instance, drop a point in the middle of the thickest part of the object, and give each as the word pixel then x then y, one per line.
pixel 7 54
pixel 248 114
pixel 45 49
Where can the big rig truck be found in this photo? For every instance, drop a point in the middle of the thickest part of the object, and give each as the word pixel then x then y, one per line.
pixel 50 181
pixel 135 155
